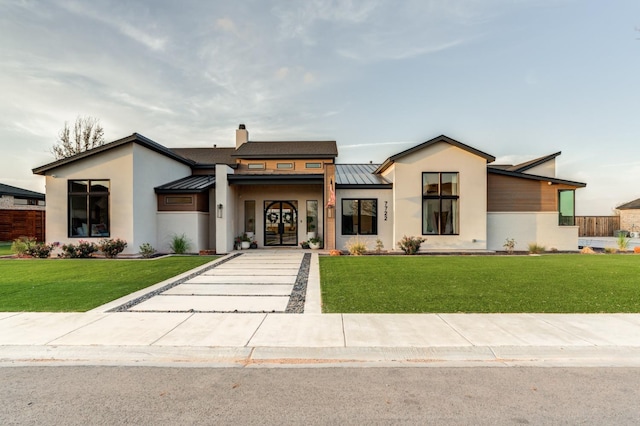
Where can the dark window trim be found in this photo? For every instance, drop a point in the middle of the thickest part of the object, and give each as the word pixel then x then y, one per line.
pixel 88 194
pixel 439 197
pixel 359 200
pixel 560 216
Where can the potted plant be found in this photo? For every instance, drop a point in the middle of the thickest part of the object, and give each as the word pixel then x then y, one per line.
pixel 245 241
pixel 253 245
pixel 315 243
pixel 304 245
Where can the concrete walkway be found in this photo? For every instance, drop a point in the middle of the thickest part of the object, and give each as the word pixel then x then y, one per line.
pixel 141 335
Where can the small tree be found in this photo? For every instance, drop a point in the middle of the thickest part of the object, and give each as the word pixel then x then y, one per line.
pixel 87 133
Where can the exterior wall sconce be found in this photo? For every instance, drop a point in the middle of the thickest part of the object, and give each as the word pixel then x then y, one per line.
pixel 219 210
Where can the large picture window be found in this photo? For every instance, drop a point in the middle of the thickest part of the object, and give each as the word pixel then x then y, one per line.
pixel 359 217
pixel 440 204
pixel 88 208
pixel 567 207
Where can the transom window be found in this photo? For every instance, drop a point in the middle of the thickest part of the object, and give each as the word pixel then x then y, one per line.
pixel 255 166
pixel 313 165
pixel 440 203
pixel 284 165
pixel 89 208
pixel 359 217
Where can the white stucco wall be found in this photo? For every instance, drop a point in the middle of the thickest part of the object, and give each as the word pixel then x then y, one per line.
pixel 407 196
pixel 133 172
pixel 194 225
pixel 385 226
pixel 226 224
pixel 530 227
pixel 547 169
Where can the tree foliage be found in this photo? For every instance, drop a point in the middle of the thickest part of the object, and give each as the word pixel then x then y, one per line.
pixel 86 133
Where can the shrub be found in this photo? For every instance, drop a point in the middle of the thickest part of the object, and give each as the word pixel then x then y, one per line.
pixel 20 245
pixel 534 248
pixel 112 247
pixel 410 245
pixel 179 244
pixel 379 245
pixel 83 250
pixel 41 250
pixel 147 250
pixel 356 246
pixel 587 250
pixel 509 245
pixel 622 241
pixel 610 250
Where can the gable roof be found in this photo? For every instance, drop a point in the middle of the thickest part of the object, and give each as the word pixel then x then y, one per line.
pixel 498 171
pixel 19 192
pixel 287 149
pixel 207 156
pixel 631 205
pixel 523 167
pixel 134 138
pixel 440 139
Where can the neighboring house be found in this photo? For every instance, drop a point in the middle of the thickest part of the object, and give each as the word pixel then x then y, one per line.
pixel 630 217
pixel 22 213
pixel 284 192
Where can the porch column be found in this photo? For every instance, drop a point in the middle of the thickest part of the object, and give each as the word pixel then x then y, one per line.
pixel 224 210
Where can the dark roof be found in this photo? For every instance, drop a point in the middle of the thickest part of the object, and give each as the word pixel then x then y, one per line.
pixel 190 184
pixel 535 177
pixel 442 138
pixel 359 176
pixel 207 156
pixel 631 205
pixel 134 138
pixel 523 167
pixel 290 149
pixel 19 192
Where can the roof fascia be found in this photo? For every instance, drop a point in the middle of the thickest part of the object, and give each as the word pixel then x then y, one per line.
pixel 535 177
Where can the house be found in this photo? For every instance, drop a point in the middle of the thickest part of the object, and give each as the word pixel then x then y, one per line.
pixel 22 213
pixel 284 192
pixel 630 217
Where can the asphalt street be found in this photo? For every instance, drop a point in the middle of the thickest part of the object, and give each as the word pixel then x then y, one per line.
pixel 318 396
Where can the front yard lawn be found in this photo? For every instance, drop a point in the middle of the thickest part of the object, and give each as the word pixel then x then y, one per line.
pixel 78 285
pixel 481 284
pixel 5 248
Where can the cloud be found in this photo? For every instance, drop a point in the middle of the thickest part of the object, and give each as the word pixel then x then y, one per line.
pixel 226 25
pixel 282 73
pixel 308 78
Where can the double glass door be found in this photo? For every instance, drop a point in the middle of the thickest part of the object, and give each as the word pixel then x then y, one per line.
pixel 280 223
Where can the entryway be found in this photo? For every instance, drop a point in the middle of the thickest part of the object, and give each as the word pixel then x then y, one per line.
pixel 280 223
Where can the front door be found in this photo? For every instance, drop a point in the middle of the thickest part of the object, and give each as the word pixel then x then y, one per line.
pixel 280 223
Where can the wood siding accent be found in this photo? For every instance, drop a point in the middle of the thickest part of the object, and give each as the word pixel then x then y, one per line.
pixel 271 166
pixel 200 203
pixel 513 194
pixel 22 223
pixel 597 226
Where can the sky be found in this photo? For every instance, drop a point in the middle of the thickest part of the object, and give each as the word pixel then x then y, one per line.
pixel 517 79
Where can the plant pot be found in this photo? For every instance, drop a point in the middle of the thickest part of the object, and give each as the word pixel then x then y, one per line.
pixel 314 246
pixel 245 245
pixel 253 245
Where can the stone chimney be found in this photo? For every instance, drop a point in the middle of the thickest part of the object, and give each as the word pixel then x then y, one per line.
pixel 242 135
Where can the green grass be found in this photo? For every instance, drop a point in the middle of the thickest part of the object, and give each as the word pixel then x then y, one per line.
pixel 487 284
pixel 78 285
pixel 5 248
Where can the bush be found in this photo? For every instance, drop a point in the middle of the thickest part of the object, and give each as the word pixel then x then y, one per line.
pixel 41 250
pixel 356 246
pixel 112 248
pixel 509 245
pixel 179 244
pixel 147 250
pixel 622 241
pixel 534 248
pixel 410 245
pixel 20 245
pixel 83 250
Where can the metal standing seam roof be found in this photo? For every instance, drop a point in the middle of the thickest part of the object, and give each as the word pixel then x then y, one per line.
pixel 19 192
pixel 194 183
pixel 359 175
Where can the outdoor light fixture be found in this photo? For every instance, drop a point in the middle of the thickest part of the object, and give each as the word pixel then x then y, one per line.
pixel 219 210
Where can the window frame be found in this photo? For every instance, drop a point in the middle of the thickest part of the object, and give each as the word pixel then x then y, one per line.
pixel 88 194
pixel 440 198
pixel 374 222
pixel 571 222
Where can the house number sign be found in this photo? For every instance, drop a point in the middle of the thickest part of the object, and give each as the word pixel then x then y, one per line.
pixel 386 207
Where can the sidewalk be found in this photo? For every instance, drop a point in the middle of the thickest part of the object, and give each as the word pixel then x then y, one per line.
pixel 198 339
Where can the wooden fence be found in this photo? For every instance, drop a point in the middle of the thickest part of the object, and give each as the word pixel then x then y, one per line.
pixel 21 223
pixel 597 226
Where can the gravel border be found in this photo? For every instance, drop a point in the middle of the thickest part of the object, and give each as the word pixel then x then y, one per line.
pixel 299 292
pixel 125 307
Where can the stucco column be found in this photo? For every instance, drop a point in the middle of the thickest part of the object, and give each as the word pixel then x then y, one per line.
pixel 224 210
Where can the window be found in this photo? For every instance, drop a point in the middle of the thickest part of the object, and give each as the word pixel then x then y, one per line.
pixel 440 203
pixel 89 208
pixel 359 217
pixel 178 200
pixel 567 207
pixel 249 216
pixel 313 165
pixel 312 215
pixel 284 165
pixel 255 166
